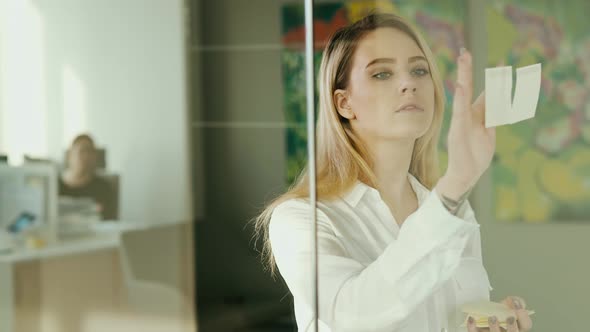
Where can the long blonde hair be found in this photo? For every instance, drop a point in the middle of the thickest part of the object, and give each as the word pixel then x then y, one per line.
pixel 341 157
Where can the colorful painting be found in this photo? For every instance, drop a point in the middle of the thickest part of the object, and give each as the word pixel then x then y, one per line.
pixel 541 171
pixel 440 22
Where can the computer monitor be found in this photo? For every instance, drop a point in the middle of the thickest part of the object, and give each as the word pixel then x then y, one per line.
pixel 28 190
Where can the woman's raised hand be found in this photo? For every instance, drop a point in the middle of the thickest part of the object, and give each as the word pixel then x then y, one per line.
pixel 471 145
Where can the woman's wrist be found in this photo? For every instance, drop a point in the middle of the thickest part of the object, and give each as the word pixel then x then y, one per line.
pixel 453 192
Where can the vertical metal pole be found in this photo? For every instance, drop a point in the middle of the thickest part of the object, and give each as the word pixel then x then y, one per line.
pixel 310 93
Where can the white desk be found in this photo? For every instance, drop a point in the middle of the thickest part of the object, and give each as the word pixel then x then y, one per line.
pixel 108 236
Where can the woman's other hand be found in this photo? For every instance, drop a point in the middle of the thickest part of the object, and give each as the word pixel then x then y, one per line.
pixel 520 322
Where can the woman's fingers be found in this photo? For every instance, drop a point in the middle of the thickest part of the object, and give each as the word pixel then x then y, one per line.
pixel 471 325
pixel 460 104
pixel 514 302
pixel 465 74
pixel 494 325
pixel 511 325
pixel 479 109
pixel 492 133
pixel 524 320
pixel 479 114
pixel 518 305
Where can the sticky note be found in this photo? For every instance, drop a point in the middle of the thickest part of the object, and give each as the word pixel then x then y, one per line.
pixel 498 96
pixel 500 108
pixel 482 310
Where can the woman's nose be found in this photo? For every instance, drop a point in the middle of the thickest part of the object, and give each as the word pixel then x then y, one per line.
pixel 406 89
pixel 407 86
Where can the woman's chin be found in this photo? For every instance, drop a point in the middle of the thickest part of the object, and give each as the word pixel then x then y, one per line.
pixel 407 133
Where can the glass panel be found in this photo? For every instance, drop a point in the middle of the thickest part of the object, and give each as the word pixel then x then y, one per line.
pixel 395 251
pixel 96 204
pixel 249 131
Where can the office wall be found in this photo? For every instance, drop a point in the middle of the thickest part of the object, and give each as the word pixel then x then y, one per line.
pixel 115 69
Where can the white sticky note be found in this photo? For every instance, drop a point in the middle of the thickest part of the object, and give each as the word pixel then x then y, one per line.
pixel 526 95
pixel 498 95
pixel 500 110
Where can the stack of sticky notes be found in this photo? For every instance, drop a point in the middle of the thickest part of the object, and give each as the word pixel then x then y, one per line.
pixel 482 310
pixel 500 108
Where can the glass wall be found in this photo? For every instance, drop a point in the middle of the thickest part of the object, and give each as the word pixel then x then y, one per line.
pixel 143 144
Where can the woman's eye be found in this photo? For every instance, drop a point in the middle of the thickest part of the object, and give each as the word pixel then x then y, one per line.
pixel 420 71
pixel 382 75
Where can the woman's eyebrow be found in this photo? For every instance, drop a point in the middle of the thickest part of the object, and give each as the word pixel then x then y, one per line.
pixel 381 60
pixel 393 60
pixel 417 58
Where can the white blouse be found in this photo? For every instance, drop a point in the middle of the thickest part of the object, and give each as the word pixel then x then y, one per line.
pixel 375 275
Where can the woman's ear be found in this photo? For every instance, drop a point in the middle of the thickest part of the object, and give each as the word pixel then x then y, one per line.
pixel 341 101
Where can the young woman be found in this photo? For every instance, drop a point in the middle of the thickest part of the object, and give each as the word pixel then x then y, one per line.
pixel 399 247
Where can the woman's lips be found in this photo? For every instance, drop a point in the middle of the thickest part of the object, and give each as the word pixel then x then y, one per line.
pixel 409 108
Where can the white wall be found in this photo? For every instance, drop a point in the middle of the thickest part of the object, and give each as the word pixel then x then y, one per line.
pixel 115 69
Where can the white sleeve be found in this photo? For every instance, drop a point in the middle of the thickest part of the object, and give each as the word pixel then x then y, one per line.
pixel 354 297
pixel 473 251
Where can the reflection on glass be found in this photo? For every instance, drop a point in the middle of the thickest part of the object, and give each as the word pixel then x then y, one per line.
pixel 399 245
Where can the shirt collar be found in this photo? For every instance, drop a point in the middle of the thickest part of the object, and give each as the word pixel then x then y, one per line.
pixel 420 190
pixel 357 192
pixel 360 189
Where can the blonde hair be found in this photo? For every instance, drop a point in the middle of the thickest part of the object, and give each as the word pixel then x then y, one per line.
pixel 342 159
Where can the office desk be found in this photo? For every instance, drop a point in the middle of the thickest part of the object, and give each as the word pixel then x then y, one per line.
pixel 129 240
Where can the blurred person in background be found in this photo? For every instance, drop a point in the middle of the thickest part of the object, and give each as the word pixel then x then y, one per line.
pixel 80 178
